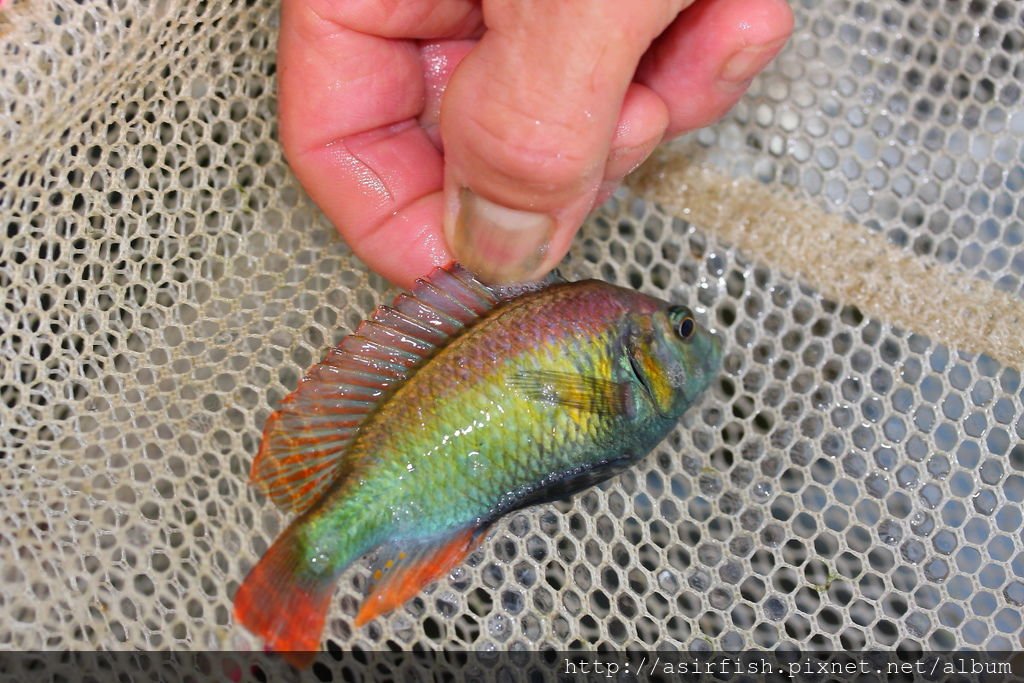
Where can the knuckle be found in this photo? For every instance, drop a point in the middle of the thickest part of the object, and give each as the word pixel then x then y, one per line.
pixel 543 154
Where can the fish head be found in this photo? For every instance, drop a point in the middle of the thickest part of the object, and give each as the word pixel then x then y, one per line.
pixel 675 358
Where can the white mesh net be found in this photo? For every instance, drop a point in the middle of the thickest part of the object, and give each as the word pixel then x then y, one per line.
pixel 165 282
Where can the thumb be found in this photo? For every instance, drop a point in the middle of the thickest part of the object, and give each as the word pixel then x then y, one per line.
pixel 527 122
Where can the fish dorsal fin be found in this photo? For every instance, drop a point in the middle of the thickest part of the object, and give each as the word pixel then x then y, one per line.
pixel 304 442
pixel 402 569
pixel 512 291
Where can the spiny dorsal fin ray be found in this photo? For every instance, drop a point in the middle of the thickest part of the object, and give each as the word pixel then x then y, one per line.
pixel 513 291
pixel 304 442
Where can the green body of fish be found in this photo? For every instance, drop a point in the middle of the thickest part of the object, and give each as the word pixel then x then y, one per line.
pixel 539 397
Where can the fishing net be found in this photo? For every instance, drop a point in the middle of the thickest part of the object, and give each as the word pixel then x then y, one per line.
pixel 855 478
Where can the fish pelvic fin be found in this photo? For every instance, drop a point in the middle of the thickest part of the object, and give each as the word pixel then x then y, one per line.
pixel 304 446
pixel 401 570
pixel 284 603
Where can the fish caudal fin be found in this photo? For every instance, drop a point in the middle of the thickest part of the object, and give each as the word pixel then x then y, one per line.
pixel 283 603
pixel 401 571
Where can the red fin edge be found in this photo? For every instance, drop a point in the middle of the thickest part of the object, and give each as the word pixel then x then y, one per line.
pixel 281 603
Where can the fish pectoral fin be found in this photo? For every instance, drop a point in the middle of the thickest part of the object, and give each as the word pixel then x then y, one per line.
pixel 575 391
pixel 402 569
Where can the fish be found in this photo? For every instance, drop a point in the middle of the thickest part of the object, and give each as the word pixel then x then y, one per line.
pixel 441 413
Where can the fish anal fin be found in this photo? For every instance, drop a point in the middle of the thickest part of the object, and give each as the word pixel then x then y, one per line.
pixel 572 390
pixel 402 571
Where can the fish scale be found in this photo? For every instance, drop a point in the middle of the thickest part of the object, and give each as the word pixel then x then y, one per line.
pixel 442 379
pixel 523 399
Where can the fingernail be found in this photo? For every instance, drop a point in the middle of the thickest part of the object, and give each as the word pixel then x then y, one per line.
pixel 499 244
pixel 748 62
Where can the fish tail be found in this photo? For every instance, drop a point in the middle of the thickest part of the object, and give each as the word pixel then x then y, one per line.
pixel 284 602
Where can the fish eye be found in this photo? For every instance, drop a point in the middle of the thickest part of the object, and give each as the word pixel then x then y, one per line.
pixel 686 328
pixel 685 325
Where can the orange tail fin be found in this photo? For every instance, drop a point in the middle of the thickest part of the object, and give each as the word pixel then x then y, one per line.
pixel 284 603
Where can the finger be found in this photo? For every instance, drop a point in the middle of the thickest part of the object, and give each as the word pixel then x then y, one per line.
pixel 348 108
pixel 641 126
pixel 704 62
pixel 528 120
pixel 404 19
pixel 439 61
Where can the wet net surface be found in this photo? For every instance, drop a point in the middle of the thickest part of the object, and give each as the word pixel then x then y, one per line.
pixel 165 282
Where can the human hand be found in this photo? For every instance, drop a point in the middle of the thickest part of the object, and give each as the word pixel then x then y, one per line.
pixel 433 130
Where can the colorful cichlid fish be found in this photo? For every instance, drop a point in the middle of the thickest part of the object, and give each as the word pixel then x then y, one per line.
pixel 457 405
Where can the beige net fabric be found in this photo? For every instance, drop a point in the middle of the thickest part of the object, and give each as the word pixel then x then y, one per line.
pixel 165 282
